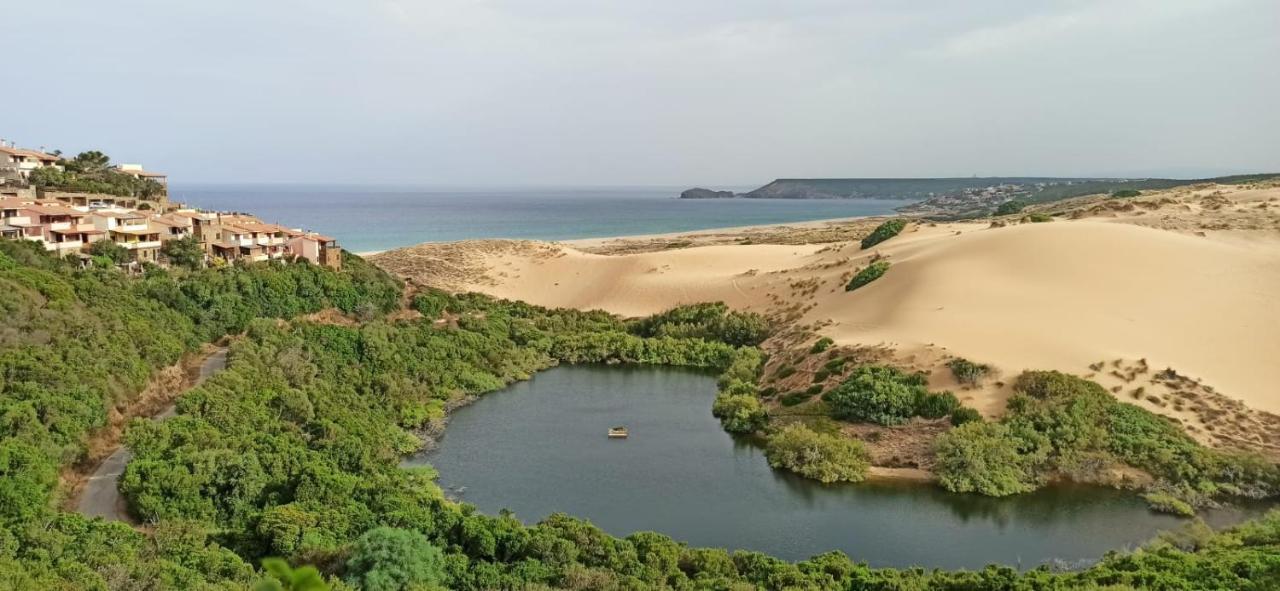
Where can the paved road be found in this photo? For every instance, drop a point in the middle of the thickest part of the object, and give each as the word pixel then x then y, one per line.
pixel 101 496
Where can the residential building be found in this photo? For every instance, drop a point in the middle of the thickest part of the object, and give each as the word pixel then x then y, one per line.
pixel 245 237
pixel 16 163
pixel 136 171
pixel 317 248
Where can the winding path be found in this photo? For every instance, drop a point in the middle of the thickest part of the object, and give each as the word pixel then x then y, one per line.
pixel 101 495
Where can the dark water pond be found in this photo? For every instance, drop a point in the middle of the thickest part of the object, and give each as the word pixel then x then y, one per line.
pixel 539 447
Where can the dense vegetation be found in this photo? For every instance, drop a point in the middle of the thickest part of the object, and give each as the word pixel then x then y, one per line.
pixel 1058 424
pixel 78 342
pixel 294 450
pixel 826 457
pixel 712 321
pixel 887 396
pixel 1125 194
pixel 883 232
pixel 867 275
pixel 91 172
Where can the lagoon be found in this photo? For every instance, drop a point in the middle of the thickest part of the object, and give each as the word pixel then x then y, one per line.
pixel 540 447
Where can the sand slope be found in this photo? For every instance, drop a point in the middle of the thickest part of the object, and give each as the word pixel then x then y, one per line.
pixel 1063 295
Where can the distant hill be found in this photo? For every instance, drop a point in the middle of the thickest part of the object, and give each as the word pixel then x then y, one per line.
pixel 913 189
pixel 960 197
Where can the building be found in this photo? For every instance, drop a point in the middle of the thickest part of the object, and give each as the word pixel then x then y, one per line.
pixel 244 237
pixel 317 248
pixel 16 163
pixel 58 227
pixel 136 171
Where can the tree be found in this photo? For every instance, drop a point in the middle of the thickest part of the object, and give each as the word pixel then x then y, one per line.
pixel 90 162
pixel 106 248
pixel 824 457
pixel 390 559
pixel 184 252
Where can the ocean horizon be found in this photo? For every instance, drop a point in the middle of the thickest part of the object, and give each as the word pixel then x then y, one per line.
pixel 366 219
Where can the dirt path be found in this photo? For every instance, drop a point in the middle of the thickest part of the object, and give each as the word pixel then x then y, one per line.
pixel 100 495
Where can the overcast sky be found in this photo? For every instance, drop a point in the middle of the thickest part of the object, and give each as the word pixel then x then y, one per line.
pixel 652 92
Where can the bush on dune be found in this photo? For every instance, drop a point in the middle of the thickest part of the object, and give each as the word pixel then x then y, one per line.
pixel 867 275
pixel 884 232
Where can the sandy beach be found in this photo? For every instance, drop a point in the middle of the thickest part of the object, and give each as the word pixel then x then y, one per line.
pixel 1118 291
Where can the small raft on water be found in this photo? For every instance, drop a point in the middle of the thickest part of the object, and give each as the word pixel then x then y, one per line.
pixel 618 433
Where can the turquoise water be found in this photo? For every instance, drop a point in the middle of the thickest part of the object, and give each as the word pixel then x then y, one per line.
pixel 378 219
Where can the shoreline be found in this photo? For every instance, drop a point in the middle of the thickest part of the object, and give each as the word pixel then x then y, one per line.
pixel 602 241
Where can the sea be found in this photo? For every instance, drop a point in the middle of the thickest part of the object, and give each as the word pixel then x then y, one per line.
pixel 368 219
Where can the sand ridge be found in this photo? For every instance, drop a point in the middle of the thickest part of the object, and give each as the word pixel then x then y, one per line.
pixel 1185 280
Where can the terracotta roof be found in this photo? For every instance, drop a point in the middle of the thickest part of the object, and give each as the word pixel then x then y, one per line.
pixel 168 220
pixel 262 227
pixel 29 153
pixel 51 209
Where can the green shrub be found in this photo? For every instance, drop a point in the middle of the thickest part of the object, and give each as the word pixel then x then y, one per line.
pixel 110 250
pixel 877 394
pixel 814 390
pixel 390 559
pixel 183 252
pixel 739 413
pixel 1168 503
pixel 967 372
pixel 431 302
pixel 964 415
pixel 821 376
pixel 1010 207
pixel 785 371
pixel 1038 218
pixel 797 397
pixel 820 345
pixel 935 405
pixel 823 457
pixel 1125 193
pixel 983 458
pixel 884 232
pixel 867 275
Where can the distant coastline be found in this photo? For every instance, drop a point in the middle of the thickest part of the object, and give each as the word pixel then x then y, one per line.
pixel 366 221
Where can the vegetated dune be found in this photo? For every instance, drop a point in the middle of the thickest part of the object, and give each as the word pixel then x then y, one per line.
pixel 1064 295
pixel 1067 295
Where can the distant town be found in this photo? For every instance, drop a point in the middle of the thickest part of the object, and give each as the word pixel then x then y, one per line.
pixel 120 214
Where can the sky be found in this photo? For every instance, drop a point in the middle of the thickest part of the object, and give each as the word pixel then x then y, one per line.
pixel 652 92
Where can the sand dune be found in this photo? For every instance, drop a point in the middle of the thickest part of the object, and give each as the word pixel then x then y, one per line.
pixel 1063 295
